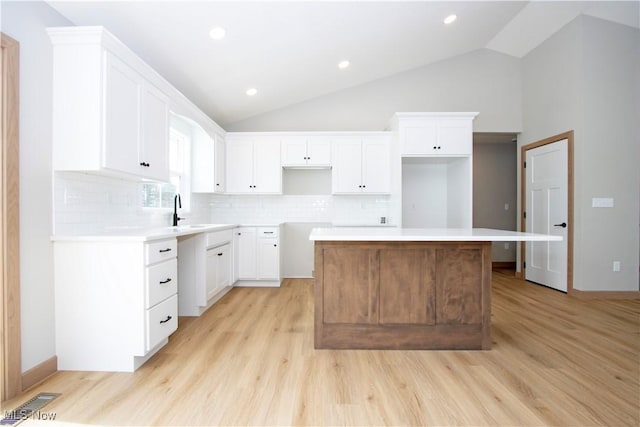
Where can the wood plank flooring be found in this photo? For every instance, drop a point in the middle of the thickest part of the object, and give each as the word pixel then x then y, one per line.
pixel 250 360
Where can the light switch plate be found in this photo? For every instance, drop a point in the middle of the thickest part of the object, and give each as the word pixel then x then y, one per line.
pixel 602 202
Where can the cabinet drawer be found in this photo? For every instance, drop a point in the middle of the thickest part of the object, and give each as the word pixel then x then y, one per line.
pixel 161 281
pixel 162 321
pixel 160 250
pixel 267 232
pixel 217 238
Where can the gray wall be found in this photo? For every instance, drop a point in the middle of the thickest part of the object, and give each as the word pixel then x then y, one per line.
pixel 587 78
pixel 26 22
pixel 482 80
pixel 494 185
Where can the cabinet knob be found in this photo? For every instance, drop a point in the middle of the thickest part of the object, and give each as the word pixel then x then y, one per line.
pixel 217 185
pixel 144 164
pixel 439 147
pixel 163 282
pixel 166 320
pixel 434 147
pixel 274 245
pixel 165 250
pixel 220 254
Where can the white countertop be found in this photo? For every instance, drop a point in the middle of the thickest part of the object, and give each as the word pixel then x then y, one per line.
pixel 387 234
pixel 143 234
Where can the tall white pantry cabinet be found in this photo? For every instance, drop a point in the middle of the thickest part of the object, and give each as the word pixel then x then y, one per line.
pixel 433 169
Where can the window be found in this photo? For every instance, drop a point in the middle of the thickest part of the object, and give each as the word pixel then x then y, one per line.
pixel 160 195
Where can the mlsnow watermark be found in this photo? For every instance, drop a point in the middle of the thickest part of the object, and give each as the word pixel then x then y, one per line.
pixel 24 414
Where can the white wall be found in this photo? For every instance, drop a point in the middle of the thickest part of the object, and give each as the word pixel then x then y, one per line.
pixel 26 22
pixel 483 80
pixel 587 78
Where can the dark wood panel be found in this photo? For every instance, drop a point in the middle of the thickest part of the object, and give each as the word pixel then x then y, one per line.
pixel 351 278
pixel 407 286
pixel 405 337
pixel 459 277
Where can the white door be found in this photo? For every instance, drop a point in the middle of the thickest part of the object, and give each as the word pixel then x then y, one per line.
pixel 247 254
pixel 223 268
pixel 294 151
pixel 268 265
pixel 122 107
pixel 267 176
pixel 346 174
pixel 239 166
pixel 211 272
pixel 376 166
pixel 546 213
pixel 318 151
pixel 154 138
pixel 219 166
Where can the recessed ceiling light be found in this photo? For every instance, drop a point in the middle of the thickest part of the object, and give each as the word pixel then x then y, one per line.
pixel 449 19
pixel 252 91
pixel 343 64
pixel 217 33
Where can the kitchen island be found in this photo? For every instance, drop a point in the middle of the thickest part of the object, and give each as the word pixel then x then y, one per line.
pixel 395 288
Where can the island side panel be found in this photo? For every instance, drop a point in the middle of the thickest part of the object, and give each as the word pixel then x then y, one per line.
pixel 407 286
pixel 407 318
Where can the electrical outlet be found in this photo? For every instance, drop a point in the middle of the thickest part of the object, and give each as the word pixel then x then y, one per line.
pixel 506 206
pixel 506 245
pixel 616 265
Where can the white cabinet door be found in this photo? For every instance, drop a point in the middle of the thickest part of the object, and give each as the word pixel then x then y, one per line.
pixel 268 258
pixel 311 150
pixel 236 256
pixel 346 175
pixel 267 176
pixel 436 136
pixel 294 151
pixel 247 253
pixel 219 164
pixel 318 151
pixel 223 269
pixel 361 165
pixel 419 136
pixel 211 274
pixel 153 153
pixel 455 137
pixel 122 120
pixel 239 166
pixel 376 167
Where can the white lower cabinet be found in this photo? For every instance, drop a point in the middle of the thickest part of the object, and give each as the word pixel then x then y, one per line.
pixel 205 270
pixel 116 302
pixel 258 256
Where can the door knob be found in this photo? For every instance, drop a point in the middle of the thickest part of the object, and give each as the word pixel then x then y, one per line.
pixel 563 225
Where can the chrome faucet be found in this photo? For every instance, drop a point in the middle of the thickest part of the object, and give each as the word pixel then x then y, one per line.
pixel 177 203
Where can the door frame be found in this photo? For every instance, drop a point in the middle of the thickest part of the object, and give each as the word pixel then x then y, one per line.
pixel 523 200
pixel 11 362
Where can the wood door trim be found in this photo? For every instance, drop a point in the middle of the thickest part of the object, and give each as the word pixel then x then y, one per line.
pixel 523 198
pixel 11 365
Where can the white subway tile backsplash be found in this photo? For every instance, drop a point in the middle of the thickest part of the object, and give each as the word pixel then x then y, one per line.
pixel 86 203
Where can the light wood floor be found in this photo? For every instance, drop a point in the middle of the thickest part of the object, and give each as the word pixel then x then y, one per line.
pixel 250 361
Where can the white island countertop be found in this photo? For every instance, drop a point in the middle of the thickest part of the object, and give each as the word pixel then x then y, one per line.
pixel 389 234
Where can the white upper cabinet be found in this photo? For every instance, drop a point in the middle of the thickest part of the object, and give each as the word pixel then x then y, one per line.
pixel 107 116
pixel 361 164
pixel 310 150
pixel 207 162
pixel 434 134
pixel 253 164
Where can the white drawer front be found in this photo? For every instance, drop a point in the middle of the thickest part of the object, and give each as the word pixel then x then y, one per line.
pixel 268 232
pixel 162 321
pixel 161 281
pixel 217 238
pixel 160 251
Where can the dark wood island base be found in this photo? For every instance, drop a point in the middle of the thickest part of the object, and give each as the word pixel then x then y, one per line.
pixel 402 295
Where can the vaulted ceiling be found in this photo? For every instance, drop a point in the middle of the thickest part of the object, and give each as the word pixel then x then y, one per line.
pixel 289 50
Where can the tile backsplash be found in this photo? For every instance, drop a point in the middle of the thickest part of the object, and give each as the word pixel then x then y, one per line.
pixel 85 203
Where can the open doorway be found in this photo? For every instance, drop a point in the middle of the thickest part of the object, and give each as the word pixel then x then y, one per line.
pixel 495 170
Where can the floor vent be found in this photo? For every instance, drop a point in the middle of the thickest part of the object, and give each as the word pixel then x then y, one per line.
pixel 30 410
